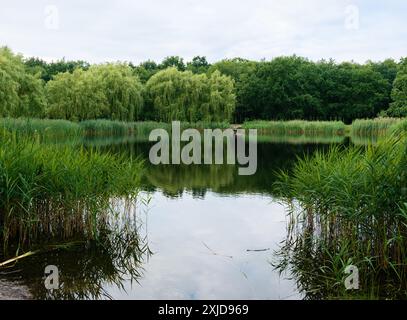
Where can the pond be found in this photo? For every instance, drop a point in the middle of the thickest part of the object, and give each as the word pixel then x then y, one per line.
pixel 210 233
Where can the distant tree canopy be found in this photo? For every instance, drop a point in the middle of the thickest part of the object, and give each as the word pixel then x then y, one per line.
pixel 109 91
pixel 398 108
pixel 48 70
pixel 198 65
pixel 296 88
pixel 177 95
pixel 21 93
pixel 229 90
pixel 147 69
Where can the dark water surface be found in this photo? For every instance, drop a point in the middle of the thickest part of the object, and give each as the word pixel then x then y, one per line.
pixel 212 235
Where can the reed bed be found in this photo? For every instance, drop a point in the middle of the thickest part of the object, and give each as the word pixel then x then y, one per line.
pixel 399 127
pixel 43 127
pixel 103 127
pixel 378 127
pixel 349 207
pixel 298 127
pixel 49 191
pixel 117 256
pixel 64 129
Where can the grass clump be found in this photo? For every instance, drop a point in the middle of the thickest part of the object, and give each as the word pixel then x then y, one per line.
pixel 42 127
pixel 103 127
pixel 349 207
pixel 50 128
pixel 49 191
pixel 297 127
pixel 378 127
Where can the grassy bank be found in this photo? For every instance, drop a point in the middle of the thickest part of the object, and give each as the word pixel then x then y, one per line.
pixel 67 129
pixel 50 191
pixel 43 127
pixel 101 127
pixel 297 127
pixel 373 127
pixel 349 207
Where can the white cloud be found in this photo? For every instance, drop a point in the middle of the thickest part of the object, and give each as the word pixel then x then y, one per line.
pixel 127 30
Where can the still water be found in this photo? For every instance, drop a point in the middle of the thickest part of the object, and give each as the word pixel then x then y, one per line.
pixel 211 234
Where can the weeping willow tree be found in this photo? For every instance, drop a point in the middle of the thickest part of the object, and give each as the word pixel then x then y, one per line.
pixel 184 96
pixel 76 96
pixel 123 90
pixel 108 91
pixel 222 99
pixel 21 93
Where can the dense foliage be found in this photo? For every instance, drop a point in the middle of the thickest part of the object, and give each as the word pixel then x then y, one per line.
pixel 176 95
pixel 296 88
pixel 399 93
pixel 237 90
pixel 48 70
pixel 108 91
pixel 348 207
pixel 21 93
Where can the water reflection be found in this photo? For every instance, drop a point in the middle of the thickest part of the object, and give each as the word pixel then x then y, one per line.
pixel 200 249
pixel 212 234
pixel 173 180
pixel 86 267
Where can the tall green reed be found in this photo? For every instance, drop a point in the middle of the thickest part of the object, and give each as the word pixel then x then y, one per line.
pixel 349 206
pixel 298 127
pixel 373 127
pixel 49 191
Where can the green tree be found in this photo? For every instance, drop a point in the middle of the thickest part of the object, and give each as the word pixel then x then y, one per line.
pixel 173 61
pixel 110 91
pixel 398 108
pixel 145 70
pixel 198 65
pixel 123 90
pixel 184 96
pixel 350 91
pixel 222 99
pixel 21 93
pixel 49 70
pixel 240 70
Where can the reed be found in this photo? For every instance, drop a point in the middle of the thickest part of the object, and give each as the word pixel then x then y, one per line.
pixel 350 207
pixel 43 127
pixel 64 129
pixel 103 127
pixel 297 127
pixel 378 127
pixel 50 191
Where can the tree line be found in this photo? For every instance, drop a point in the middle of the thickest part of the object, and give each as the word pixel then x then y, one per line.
pixel 235 90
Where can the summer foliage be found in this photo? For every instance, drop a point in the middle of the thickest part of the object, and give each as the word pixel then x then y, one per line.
pixel 237 90
pixel 21 93
pixel 399 93
pixel 109 91
pixel 184 96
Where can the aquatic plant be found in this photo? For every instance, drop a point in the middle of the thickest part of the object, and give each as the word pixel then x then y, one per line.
pixel 373 127
pixel 349 207
pixel 49 191
pixel 298 127
pixel 42 127
pixel 86 267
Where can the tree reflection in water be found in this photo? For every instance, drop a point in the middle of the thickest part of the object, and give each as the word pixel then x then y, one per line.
pixel 86 268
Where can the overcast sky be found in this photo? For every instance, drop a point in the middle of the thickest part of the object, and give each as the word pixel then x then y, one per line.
pixel 99 31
